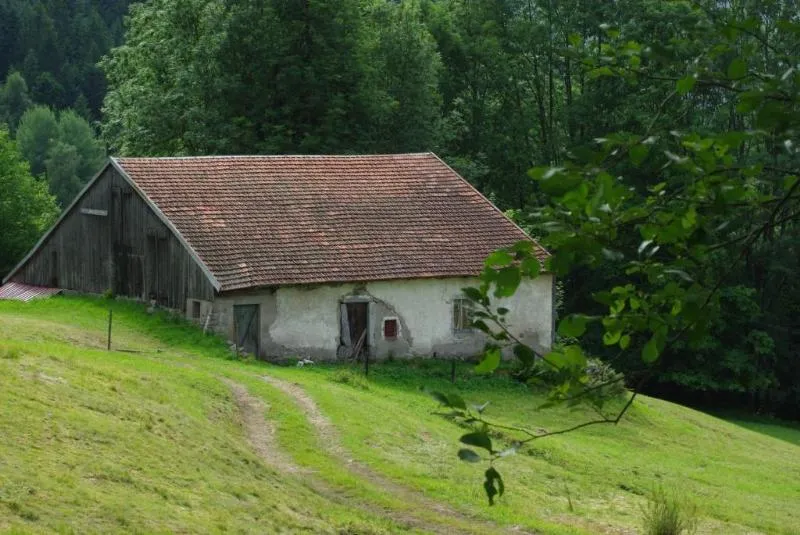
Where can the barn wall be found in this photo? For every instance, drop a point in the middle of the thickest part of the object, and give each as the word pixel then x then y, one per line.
pixel 304 321
pixel 129 250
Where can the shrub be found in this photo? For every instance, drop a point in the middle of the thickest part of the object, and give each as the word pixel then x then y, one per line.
pixel 664 514
pixel 351 378
pixel 599 373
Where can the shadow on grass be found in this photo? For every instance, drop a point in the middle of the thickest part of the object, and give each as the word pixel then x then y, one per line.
pixel 430 373
pixel 780 429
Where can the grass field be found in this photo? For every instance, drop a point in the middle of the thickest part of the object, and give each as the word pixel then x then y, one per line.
pixel 157 441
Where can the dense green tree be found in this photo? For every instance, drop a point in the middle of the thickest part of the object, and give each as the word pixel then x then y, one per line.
pixel 56 44
pixel 75 131
pixel 64 148
pixel 37 132
pixel 203 76
pixel 14 100
pixel 407 66
pixel 61 167
pixel 672 220
pixel 26 207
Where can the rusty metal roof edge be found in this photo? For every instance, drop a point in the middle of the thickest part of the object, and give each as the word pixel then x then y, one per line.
pixel 26 292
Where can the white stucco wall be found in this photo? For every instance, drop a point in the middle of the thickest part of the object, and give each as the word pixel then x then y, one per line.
pixel 308 318
pixel 305 321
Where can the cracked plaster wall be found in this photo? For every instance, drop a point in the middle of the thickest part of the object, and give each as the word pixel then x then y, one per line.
pixel 304 321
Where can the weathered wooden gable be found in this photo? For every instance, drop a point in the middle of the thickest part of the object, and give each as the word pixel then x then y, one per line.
pixel 112 239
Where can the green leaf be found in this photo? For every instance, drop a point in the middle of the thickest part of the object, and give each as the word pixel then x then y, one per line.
pixel 600 72
pixel 525 354
pixel 473 294
pixel 650 351
pixel 689 219
pixel 638 153
pixel 478 439
pixel 624 341
pixel 502 311
pixel 531 267
pixel 685 84
pixel 481 326
pixel 771 114
pixel 507 281
pixel 570 357
pixel 490 362
pixel 499 258
pixel 611 337
pixel 493 485
pixel 468 455
pixel 737 69
pixel 573 326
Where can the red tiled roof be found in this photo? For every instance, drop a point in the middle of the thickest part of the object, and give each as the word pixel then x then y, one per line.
pixel 273 220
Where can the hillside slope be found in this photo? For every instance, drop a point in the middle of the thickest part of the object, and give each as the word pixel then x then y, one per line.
pixel 175 438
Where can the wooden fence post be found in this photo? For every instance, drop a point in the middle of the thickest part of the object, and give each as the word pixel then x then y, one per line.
pixel 110 315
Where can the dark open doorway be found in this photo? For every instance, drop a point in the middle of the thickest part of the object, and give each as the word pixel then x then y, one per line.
pixel 357 316
pixel 246 326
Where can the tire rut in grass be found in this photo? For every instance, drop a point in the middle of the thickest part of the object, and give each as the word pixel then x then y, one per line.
pixel 330 439
pixel 261 436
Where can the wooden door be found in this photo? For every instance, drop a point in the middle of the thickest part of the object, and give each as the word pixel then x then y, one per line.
pixel 357 319
pixel 246 327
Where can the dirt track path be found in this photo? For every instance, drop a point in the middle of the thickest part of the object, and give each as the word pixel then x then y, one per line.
pixel 333 445
pixel 262 438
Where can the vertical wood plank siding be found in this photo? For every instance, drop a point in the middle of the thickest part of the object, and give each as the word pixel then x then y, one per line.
pixel 129 251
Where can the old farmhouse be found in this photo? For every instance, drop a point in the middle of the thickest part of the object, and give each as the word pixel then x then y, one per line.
pixel 316 256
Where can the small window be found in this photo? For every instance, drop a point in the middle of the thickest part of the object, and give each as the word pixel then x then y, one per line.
pixel 390 329
pixel 196 309
pixel 462 315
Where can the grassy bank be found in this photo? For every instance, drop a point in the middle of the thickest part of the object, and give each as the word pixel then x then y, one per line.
pixel 152 441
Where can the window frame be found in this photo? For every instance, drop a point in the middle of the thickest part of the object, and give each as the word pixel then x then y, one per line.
pixel 396 321
pixel 458 308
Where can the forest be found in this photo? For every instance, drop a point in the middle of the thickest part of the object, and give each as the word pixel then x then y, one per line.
pixel 651 145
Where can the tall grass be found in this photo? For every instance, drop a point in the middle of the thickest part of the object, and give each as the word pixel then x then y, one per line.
pixel 666 514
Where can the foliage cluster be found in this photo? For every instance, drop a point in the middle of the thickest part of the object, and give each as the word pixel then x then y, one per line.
pixel 666 514
pixel 26 207
pixel 63 148
pixel 667 214
pixel 55 45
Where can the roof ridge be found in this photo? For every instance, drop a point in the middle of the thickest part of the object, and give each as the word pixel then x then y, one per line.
pixel 274 156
